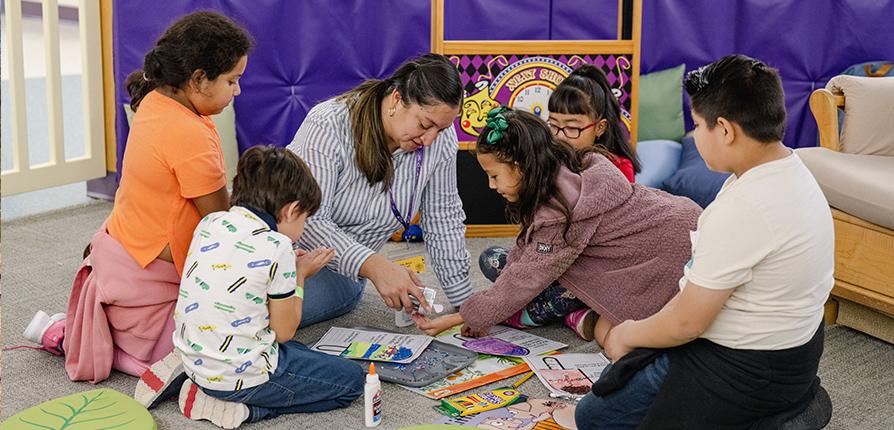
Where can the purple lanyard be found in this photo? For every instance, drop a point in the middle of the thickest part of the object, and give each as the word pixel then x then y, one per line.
pixel 406 221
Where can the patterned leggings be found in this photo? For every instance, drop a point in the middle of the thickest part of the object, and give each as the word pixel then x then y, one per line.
pixel 549 306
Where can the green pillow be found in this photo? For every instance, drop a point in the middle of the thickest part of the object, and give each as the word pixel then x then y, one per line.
pixel 661 105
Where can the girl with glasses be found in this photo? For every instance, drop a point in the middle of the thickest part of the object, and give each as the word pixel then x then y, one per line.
pixel 584 112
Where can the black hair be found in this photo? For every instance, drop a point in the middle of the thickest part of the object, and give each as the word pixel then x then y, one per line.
pixel 428 80
pixel 529 142
pixel 204 41
pixel 269 177
pixel 586 91
pixel 742 90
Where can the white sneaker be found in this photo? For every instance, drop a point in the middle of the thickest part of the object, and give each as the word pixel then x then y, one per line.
pixel 161 381
pixel 196 405
pixel 39 325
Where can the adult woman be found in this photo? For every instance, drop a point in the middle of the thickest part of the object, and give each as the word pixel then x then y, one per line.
pixel 380 152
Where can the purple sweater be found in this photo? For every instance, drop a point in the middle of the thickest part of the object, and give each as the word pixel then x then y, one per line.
pixel 628 245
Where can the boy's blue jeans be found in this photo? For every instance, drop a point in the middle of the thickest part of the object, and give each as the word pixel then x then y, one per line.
pixel 328 295
pixel 304 381
pixel 627 407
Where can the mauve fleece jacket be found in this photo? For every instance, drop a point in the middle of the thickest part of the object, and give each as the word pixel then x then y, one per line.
pixel 626 249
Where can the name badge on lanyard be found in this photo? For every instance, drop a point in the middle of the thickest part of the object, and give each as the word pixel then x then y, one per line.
pixel 415 263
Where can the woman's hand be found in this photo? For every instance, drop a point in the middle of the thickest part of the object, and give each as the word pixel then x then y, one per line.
pixel 395 283
pixel 617 342
pixel 432 327
pixel 309 263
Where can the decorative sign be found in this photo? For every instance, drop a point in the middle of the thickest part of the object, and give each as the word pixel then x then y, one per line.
pixel 526 82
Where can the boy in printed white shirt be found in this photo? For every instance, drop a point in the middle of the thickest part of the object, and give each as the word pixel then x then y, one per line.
pixel 240 303
pixel 739 346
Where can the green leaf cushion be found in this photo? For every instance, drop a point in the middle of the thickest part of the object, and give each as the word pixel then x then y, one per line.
pixel 661 105
pixel 103 408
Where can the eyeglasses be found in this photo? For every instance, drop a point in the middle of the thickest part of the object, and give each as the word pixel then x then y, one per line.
pixel 569 132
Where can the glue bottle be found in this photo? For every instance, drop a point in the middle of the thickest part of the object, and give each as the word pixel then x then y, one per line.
pixel 372 398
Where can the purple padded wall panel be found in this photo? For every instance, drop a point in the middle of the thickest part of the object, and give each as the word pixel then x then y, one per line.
pixel 576 19
pixel 308 51
pixel 327 48
pixel 496 20
pixel 797 37
pixel 530 19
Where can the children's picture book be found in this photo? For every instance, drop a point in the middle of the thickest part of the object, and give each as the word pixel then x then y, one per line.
pixel 485 370
pixel 503 340
pixel 534 414
pixel 372 345
pixel 568 376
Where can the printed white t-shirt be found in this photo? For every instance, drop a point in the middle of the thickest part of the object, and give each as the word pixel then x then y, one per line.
pixel 769 235
pixel 235 264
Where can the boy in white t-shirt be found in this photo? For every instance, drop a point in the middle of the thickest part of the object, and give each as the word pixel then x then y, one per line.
pixel 746 328
pixel 240 303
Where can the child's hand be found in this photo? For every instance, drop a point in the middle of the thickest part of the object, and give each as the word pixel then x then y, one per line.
pixel 309 263
pixel 432 327
pixel 616 342
pixel 469 332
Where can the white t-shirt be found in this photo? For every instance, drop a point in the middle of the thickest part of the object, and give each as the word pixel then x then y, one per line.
pixel 235 264
pixel 769 235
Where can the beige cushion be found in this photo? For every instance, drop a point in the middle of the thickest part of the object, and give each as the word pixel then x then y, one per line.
pixel 225 122
pixel 861 185
pixel 868 114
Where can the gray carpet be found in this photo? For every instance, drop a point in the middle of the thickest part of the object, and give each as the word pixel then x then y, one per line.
pixel 40 255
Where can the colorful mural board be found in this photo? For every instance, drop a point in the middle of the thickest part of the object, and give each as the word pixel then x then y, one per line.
pixel 526 81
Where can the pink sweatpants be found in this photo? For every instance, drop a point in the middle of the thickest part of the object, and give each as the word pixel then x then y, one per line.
pixel 124 362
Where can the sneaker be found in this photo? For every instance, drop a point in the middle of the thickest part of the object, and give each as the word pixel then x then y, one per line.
pixel 582 322
pixel 47 331
pixel 161 381
pixel 196 405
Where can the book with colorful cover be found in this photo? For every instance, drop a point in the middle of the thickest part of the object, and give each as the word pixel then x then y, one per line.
pixel 534 414
pixel 485 370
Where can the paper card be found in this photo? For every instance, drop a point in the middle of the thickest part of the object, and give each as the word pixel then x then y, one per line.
pixel 416 264
pixel 376 352
pixel 504 340
pixel 568 376
pixel 372 345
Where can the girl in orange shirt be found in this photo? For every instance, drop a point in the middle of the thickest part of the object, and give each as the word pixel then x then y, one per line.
pixel 173 173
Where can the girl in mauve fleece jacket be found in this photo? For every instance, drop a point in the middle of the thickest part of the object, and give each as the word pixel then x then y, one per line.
pixel 618 247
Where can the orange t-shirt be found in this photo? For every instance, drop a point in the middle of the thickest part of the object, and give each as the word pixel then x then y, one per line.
pixel 172 156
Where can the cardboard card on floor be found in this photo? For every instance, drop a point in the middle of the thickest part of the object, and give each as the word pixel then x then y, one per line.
pixel 372 345
pixel 568 376
pixel 503 340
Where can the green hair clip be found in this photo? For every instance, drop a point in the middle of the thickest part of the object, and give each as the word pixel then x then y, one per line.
pixel 497 124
